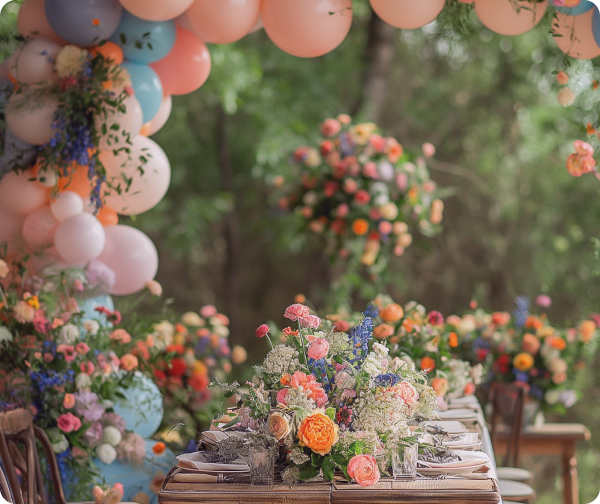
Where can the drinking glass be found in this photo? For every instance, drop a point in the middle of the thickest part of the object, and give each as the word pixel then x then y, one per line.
pixel 404 461
pixel 262 466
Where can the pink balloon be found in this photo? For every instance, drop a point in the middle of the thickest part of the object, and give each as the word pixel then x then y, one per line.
pixel 156 10
pixel 39 227
pixel 132 256
pixel 10 225
pixel 161 117
pixel 183 22
pixel 224 21
pixel 257 26
pixel 66 205
pixel 79 239
pixel 139 191
pixel 40 260
pixel 32 21
pixel 30 116
pixel 34 61
pixel 576 36
pixel 186 67
pixel 129 122
pixel 308 28
pixel 503 17
pixel 408 14
pixel 20 194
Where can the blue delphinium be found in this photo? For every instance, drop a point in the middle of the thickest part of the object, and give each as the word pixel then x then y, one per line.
pixel 522 311
pixel 386 380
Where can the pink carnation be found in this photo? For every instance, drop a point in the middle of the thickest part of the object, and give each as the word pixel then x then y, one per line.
pixel 82 348
pixel 310 321
pixel 262 331
pixel 68 351
pixel 330 127
pixel 296 311
pixel 363 469
pixel 67 422
pixel 318 349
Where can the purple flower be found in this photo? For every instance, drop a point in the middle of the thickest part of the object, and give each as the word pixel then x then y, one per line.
pixel 88 406
pixel 115 420
pixel 93 436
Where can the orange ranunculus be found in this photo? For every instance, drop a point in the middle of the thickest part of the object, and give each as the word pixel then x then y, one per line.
pixel 391 313
pixel 500 319
pixel 533 322
pixel 286 380
pixel 360 226
pixel 159 448
pixel 586 330
pixel 523 361
pixel 383 331
pixel 427 364
pixel 318 432
pixel 408 325
pixel 453 340
pixel 180 328
pixel 556 342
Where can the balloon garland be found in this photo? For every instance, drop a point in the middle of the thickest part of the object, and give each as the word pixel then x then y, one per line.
pixel 94 78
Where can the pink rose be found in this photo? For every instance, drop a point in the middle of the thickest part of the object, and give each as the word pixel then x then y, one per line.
pixel 362 197
pixel 407 392
pixel 435 318
pixel 67 422
pixel 330 127
pixel 363 469
pixel 208 311
pixel 543 301
pixel 370 170
pixel 318 349
pixel 87 367
pixel 350 186
pixel 129 362
pixel 68 351
pixel 296 311
pixel 428 149
pixel 262 331
pixel 310 321
pixel 281 396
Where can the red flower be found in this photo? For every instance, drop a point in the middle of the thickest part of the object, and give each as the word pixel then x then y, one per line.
pixel 338 226
pixel 178 367
pixel 326 147
pixel 341 326
pixel 435 318
pixel 262 331
pixel 176 348
pixel 288 331
pixel 296 311
pixel 482 354
pixel 502 364
pixel 330 188
pixel 198 382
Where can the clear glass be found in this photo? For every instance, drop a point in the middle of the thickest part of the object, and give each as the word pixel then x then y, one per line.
pixel 404 461
pixel 262 466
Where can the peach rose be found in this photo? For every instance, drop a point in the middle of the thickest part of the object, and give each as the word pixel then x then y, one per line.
pixel 391 313
pixel 318 432
pixel 531 344
pixel 363 469
pixel 129 362
pixel 279 425
pixel 407 392
pixel 383 331
pixel 440 385
pixel 69 401
pixel 586 330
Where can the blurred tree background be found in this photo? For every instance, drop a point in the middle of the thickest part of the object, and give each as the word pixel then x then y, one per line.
pixel 516 223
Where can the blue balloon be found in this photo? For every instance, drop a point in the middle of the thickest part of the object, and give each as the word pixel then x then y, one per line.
pixel 84 22
pixel 17 153
pixel 144 41
pixel 88 307
pixel 583 7
pixel 147 86
pixel 596 25
pixel 142 407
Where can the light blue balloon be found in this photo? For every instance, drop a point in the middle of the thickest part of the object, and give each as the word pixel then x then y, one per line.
pixel 147 86
pixel 84 22
pixel 137 477
pixel 144 41
pixel 582 8
pixel 596 25
pixel 142 407
pixel 17 153
pixel 88 307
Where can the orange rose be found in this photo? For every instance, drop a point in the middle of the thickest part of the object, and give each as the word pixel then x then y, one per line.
pixel 427 364
pixel 453 340
pixel 523 361
pixel 558 343
pixel 318 432
pixel 533 322
pixel 383 331
pixel 500 318
pixel 360 226
pixel 440 385
pixel 586 330
pixel 391 313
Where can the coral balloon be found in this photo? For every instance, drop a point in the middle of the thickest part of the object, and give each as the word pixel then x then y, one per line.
pixel 407 14
pixel 10 225
pixel 575 35
pixel 309 28
pixel 156 10
pixel 39 227
pixel 84 22
pixel 79 239
pixel 129 191
pixel 583 7
pixel 161 117
pixel 30 116
pixel 32 21
pixel 503 16
pixel 112 52
pixel 121 127
pixel 77 181
pixel 224 21
pixel 107 217
pixel 68 204
pixel 132 256
pixel 147 86
pixel 34 61
pixel 20 194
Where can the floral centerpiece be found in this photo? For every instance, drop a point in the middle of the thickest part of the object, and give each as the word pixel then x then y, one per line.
pixel 362 192
pixel 526 349
pixel 331 400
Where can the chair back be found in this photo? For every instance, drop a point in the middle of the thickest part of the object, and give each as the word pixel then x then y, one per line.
pixel 19 440
pixel 4 488
pixel 507 410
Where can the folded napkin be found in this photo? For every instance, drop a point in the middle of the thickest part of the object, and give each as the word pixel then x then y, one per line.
pixel 196 461
pixel 216 436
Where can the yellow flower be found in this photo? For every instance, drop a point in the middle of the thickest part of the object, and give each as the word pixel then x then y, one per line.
pixel 523 361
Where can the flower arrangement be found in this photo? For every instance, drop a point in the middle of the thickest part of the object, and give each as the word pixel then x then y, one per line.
pixel 361 191
pixel 524 348
pixel 331 400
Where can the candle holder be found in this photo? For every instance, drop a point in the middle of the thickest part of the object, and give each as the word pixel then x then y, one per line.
pixel 404 461
pixel 262 466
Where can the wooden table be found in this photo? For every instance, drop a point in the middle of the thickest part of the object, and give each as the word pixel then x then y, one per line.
pixel 553 439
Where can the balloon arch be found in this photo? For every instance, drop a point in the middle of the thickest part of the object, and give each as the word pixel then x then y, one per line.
pixel 94 79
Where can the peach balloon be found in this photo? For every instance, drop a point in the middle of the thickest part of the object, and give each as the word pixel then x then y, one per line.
pixel 224 21
pixel 107 217
pixel 186 67
pixel 39 227
pixel 79 239
pixel 129 191
pixel 32 21
pixel 129 124
pixel 66 205
pixel 156 10
pixel 77 181
pixel 30 116
pixel 408 14
pixel 132 256
pixel 161 117
pixel 183 22
pixel 10 225
pixel 20 194
pixel 576 35
pixel 111 52
pixel 34 61
pixel 309 28
pixel 503 17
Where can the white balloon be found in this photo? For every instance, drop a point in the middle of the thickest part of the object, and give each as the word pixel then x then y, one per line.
pixel 47 178
pixel 66 205
pixel 39 227
pixel 79 239
pixel 30 116
pixel 34 61
pixel 162 116
pixel 130 123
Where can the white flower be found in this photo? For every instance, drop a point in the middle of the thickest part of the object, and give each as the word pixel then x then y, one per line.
pixel 111 436
pixel 106 453
pixel 477 373
pixel 91 327
pixel 83 381
pixel 466 325
pixel 68 335
pixel 549 353
pixel 221 330
pixel 552 397
pixel 5 335
pixel 192 319
pixel 310 198
pixel 60 445
pixel 282 359
pixel 70 60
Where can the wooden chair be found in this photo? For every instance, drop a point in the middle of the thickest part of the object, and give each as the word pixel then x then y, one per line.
pixel 18 450
pixel 507 410
pixel 4 488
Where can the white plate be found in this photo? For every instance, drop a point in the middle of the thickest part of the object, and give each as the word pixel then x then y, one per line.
pixel 458 414
pixel 450 426
pixel 467 438
pixel 435 471
pixel 465 400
